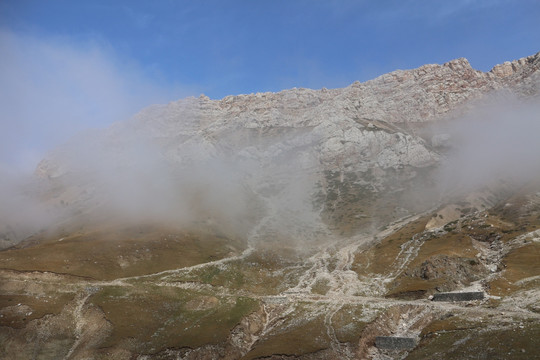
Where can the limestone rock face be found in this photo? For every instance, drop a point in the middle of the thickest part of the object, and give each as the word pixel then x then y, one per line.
pixel 357 121
pixel 366 131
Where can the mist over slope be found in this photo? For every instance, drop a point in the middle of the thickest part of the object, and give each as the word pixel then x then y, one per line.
pixel 348 159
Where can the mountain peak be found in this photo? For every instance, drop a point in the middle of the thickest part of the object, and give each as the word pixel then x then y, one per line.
pixel 458 64
pixel 527 64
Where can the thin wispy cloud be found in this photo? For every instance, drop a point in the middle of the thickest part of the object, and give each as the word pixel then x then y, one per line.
pixel 444 9
pixel 140 19
pixel 431 12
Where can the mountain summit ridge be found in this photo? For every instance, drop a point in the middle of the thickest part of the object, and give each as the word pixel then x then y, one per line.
pixel 427 93
pixel 367 130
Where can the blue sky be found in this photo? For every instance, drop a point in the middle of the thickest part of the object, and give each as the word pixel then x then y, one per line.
pixel 69 65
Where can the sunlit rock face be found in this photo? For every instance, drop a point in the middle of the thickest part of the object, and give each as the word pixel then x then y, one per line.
pixel 347 156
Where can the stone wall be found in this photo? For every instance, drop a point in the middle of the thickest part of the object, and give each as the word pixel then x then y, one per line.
pixel 394 342
pixel 462 296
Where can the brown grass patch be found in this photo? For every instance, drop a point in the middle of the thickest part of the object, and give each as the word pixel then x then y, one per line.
pixel 107 254
pixel 300 335
pixel 158 318
pixel 17 311
pixel 480 343
pixel 519 264
pixel 379 258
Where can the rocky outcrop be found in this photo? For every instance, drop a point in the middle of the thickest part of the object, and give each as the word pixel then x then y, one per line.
pixel 518 69
pixel 360 121
pixel 330 143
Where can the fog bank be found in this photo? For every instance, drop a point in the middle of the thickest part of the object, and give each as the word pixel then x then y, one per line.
pixel 498 141
pixel 54 87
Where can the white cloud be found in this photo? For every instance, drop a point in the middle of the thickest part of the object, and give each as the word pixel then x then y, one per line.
pixel 53 87
pixel 498 141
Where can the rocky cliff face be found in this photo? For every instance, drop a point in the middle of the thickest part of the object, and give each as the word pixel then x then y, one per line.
pixel 353 151
pixel 302 224
pixel 359 120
